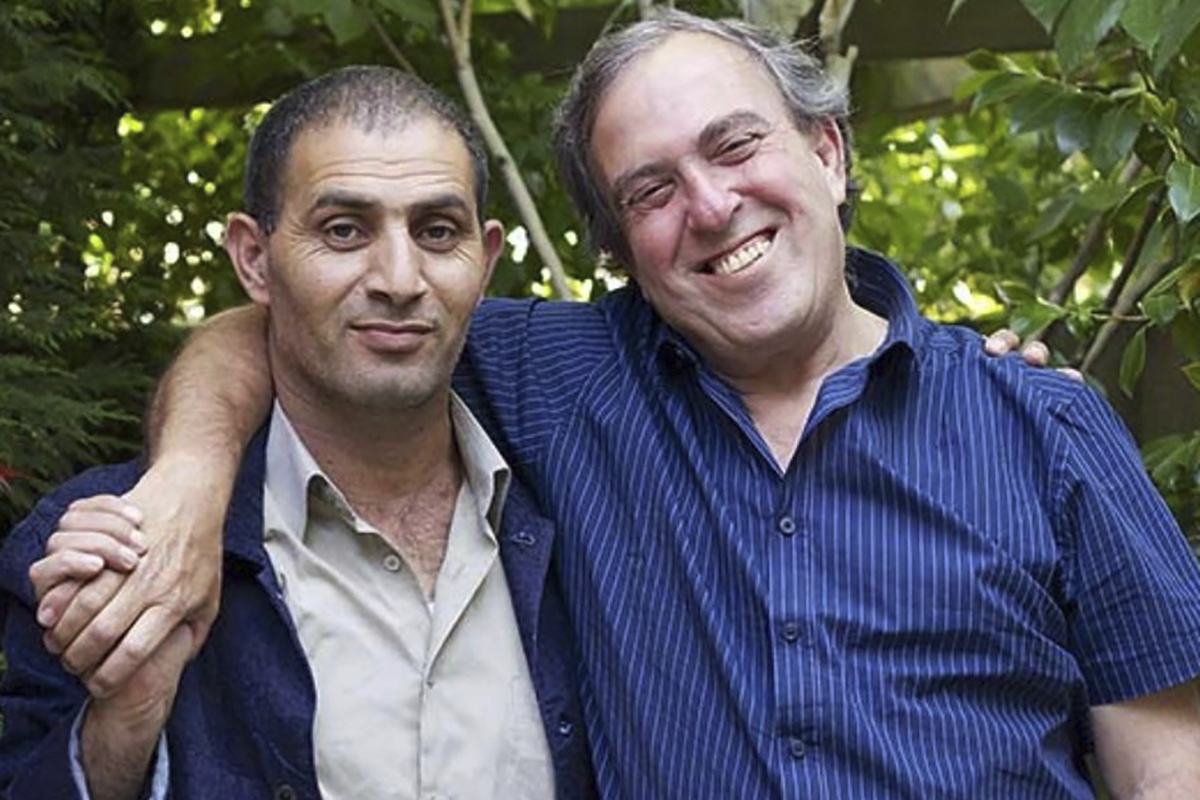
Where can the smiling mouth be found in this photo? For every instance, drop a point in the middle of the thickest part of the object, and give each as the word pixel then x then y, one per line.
pixel 737 260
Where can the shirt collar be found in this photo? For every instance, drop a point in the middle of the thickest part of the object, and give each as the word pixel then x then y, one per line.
pixel 292 474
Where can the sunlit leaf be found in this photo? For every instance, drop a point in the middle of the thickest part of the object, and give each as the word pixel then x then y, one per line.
pixel 1032 317
pixel 1183 182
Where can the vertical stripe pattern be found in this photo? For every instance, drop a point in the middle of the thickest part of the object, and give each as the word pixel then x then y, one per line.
pixel 963 555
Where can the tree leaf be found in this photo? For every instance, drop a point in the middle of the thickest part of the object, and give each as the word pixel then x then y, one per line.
pixel 1077 125
pixel 1183 182
pixel 1116 136
pixel 525 9
pixel 1081 27
pixel 1040 106
pixel 418 12
pixel 1001 87
pixel 1143 20
pixel 1177 27
pixel 1161 309
pixel 1185 335
pixel 1192 373
pixel 1032 317
pixel 954 7
pixel 1133 361
pixel 346 20
pixel 1045 11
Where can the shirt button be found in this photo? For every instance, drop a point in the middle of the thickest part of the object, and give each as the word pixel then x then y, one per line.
pixel 796 747
pixel 791 632
pixel 284 792
pixel 787 525
pixel 391 562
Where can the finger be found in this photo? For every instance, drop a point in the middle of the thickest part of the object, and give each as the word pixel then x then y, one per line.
pixel 48 572
pixel 109 504
pixel 1001 342
pixel 155 634
pixel 51 606
pixel 113 551
pixel 110 624
pixel 1071 373
pixel 1036 353
pixel 101 522
pixel 92 597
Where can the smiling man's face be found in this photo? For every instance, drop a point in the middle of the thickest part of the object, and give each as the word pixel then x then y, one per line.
pixel 730 212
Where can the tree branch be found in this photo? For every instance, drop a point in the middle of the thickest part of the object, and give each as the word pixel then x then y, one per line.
pixel 387 40
pixel 1091 240
pixel 460 47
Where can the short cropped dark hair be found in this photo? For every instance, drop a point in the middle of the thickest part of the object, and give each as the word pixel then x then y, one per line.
pixel 370 97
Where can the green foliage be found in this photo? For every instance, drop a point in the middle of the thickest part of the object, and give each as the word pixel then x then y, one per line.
pixel 62 373
pixel 1067 204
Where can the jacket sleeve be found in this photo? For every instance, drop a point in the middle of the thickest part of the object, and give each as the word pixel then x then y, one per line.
pixel 39 700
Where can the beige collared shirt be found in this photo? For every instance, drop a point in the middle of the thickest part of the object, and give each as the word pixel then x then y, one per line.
pixel 415 700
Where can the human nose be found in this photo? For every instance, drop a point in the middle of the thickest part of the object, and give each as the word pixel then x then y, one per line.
pixel 396 269
pixel 711 202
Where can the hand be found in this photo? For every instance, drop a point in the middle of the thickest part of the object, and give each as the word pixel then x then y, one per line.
pixel 1034 353
pixel 120 732
pixel 94 533
pixel 113 624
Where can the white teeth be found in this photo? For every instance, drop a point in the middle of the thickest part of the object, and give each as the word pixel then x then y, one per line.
pixel 741 258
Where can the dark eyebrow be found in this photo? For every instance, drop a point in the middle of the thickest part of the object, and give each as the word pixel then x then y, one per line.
pixel 351 201
pixel 711 134
pixel 342 199
pixel 719 128
pixel 442 203
pixel 625 181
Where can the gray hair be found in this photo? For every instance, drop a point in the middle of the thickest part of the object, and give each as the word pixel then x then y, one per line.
pixel 809 94
pixel 371 97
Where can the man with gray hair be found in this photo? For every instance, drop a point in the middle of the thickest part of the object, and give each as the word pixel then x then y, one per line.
pixel 812 544
pixel 384 634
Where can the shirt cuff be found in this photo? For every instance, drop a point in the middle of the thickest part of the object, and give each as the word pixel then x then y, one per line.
pixel 160 767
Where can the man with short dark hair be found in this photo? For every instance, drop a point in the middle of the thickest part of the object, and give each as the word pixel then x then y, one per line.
pixel 812 545
pixel 368 645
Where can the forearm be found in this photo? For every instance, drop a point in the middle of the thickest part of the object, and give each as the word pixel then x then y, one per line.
pixel 116 752
pixel 216 393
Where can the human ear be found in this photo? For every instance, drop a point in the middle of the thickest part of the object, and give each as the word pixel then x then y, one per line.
pixel 246 244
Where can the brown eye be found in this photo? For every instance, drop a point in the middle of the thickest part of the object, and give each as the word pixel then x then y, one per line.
pixel 652 195
pixel 344 235
pixel 439 236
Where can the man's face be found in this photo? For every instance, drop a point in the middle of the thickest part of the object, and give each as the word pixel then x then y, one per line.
pixel 730 212
pixel 374 267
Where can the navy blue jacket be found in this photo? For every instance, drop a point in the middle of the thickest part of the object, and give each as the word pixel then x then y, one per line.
pixel 242 722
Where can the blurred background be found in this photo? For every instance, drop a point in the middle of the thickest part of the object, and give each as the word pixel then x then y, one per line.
pixel 1030 163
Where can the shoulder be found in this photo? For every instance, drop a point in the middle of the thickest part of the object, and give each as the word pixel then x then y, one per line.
pixel 26 542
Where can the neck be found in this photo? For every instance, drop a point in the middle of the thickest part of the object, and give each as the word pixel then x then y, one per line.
pixel 376 456
pixel 780 389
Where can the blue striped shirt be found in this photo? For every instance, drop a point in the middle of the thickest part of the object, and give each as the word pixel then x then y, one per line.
pixel 963 555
